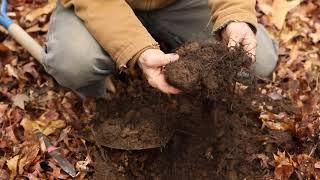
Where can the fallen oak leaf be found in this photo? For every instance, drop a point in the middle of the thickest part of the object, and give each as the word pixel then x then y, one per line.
pixel 46 128
pixel 49 115
pixel 10 135
pixel 11 71
pixel 283 166
pixel 10 44
pixel 47 9
pixel 37 28
pixel 280 9
pixel 317 165
pixel 279 121
pixel 4 175
pixel 30 68
pixel 28 153
pixel 20 99
pixel 82 166
pixel 12 165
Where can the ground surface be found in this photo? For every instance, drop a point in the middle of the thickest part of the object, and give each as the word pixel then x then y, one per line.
pixel 272 134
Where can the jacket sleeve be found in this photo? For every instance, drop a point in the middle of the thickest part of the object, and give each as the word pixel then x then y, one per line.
pixel 115 26
pixel 225 11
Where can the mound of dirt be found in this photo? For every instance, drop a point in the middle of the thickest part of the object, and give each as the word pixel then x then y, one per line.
pixel 137 117
pixel 212 68
pixel 210 135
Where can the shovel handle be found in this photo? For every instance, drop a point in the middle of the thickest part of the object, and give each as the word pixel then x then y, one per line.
pixel 26 41
pixel 20 35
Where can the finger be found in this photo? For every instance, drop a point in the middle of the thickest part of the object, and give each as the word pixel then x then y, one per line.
pixel 162 60
pixel 250 45
pixel 234 40
pixel 160 83
pixel 166 88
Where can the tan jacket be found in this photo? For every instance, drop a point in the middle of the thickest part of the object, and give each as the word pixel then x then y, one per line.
pixel 117 29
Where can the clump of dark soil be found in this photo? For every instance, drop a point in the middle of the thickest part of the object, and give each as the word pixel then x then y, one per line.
pixel 212 68
pixel 194 135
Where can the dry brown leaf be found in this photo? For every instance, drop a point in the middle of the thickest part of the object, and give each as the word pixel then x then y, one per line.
pixel 11 44
pixel 283 166
pixel 46 128
pixel 11 71
pixel 279 121
pixel 317 165
pixel 28 154
pixel 83 165
pixel 19 100
pixel 49 115
pixel 280 9
pixel 4 175
pixel 48 8
pixel 12 165
pixel 37 28
pixel 10 135
pixel 30 68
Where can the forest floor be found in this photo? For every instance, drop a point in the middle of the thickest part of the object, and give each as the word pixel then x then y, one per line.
pixel 271 132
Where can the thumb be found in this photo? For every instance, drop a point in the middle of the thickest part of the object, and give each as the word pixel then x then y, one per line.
pixel 169 58
pixel 166 59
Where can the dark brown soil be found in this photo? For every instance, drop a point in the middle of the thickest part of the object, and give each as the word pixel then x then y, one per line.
pixel 203 135
pixel 211 68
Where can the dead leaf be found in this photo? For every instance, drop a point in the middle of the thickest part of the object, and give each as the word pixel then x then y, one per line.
pixel 19 100
pixel 48 8
pixel 279 121
pixel 64 133
pixel 46 128
pixel 28 154
pixel 264 159
pixel 4 175
pixel 280 9
pixel 10 135
pixel 12 165
pixel 83 165
pixel 30 68
pixel 283 166
pixel 49 115
pixel 11 71
pixel 275 96
pixel 37 28
pixel 317 165
pixel 11 44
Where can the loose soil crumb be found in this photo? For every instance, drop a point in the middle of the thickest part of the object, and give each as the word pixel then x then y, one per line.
pixel 201 134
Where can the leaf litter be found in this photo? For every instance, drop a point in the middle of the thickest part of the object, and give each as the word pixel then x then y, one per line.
pixel 294 132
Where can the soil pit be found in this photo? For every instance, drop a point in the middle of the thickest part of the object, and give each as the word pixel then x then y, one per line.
pixel 209 132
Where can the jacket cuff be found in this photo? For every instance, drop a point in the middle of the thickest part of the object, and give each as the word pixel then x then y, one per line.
pixel 131 53
pixel 132 62
pixel 221 22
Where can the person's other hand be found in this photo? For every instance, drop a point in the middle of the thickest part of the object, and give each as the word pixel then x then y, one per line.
pixel 152 62
pixel 240 33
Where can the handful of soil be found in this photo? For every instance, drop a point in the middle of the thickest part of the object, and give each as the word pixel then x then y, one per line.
pixel 212 68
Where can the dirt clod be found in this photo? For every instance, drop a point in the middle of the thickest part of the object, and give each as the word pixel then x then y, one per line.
pixel 212 68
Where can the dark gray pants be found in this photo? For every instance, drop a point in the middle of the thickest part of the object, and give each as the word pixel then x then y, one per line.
pixel 77 61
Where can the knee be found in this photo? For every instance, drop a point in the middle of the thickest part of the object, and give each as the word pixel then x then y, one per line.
pixel 266 54
pixel 75 66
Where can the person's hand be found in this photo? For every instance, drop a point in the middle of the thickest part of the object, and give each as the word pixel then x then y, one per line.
pixel 152 62
pixel 240 33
